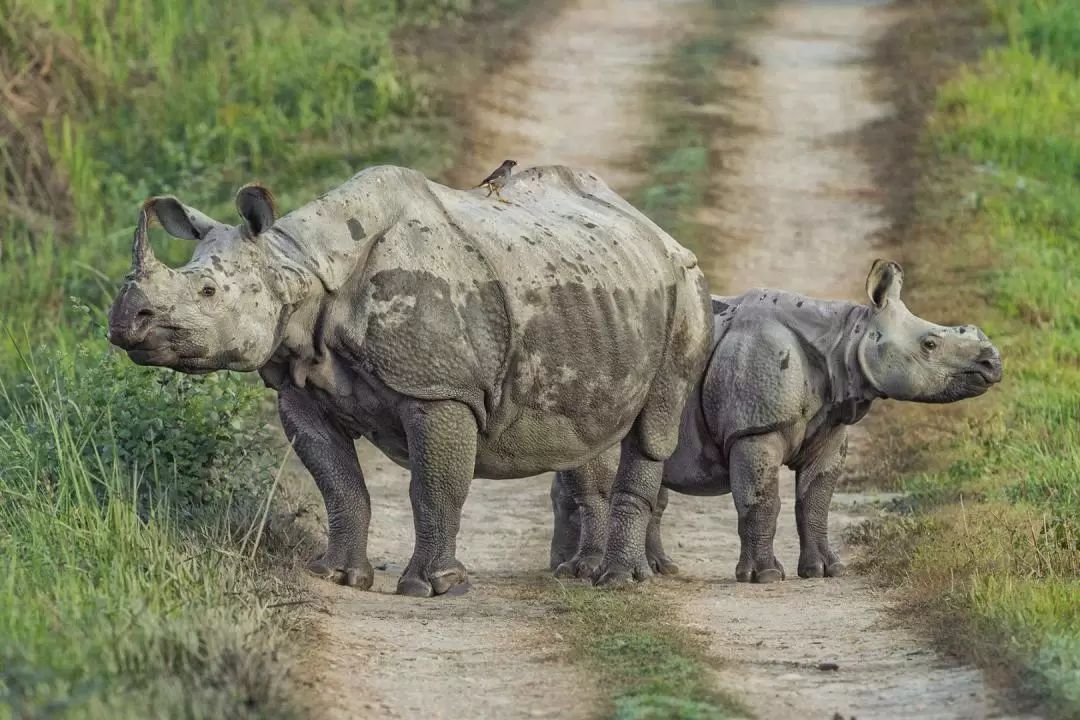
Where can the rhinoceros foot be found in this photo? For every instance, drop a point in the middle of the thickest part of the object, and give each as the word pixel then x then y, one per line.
pixel 660 563
pixel 434 580
pixel 816 562
pixel 579 566
pixel 759 571
pixel 336 565
pixel 619 574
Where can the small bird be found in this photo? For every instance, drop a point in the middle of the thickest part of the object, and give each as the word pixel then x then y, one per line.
pixel 495 181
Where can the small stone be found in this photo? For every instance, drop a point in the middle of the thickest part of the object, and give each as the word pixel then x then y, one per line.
pixel 828 666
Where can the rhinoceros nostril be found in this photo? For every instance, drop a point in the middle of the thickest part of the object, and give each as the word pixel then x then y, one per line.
pixel 145 313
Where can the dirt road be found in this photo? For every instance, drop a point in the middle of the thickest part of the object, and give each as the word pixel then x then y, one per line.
pixel 576 98
pixel 799 212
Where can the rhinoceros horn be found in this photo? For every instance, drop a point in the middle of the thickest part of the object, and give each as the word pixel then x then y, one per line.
pixel 142 255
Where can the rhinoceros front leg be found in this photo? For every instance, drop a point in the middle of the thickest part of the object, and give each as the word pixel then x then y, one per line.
pixel 586 493
pixel 814 486
pixel 330 457
pixel 755 479
pixel 654 549
pixel 442 456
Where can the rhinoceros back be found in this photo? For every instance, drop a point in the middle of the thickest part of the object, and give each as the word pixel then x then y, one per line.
pixel 551 313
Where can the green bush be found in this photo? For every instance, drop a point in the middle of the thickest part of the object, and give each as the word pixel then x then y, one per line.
pixel 194 439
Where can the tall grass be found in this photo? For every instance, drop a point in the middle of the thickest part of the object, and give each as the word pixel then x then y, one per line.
pixel 111 604
pixel 994 549
pixel 135 579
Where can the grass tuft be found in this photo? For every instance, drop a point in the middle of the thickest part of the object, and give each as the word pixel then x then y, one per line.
pixel 112 606
pixel 989 545
pixel 652 667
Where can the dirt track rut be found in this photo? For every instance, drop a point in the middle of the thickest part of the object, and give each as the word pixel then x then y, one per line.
pixel 798 211
pixel 576 98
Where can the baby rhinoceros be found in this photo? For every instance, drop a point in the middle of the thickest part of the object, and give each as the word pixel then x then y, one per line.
pixel 787 375
pixel 463 338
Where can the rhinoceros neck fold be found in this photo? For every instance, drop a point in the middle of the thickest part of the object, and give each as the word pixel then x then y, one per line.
pixel 332 236
pixel 832 331
pixel 851 392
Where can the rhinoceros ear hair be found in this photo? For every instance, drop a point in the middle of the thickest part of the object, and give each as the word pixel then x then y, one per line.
pixel 178 219
pixel 884 282
pixel 257 207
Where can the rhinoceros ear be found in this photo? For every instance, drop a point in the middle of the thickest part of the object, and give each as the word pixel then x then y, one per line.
pixel 178 219
pixel 257 207
pixel 884 282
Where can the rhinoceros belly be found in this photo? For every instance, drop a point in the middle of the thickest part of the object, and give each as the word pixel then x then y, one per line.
pixel 548 317
pixel 576 379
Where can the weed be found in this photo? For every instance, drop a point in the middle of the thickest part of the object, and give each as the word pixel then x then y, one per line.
pixel 111 608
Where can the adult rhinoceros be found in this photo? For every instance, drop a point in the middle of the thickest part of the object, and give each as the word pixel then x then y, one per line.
pixel 786 376
pixel 463 337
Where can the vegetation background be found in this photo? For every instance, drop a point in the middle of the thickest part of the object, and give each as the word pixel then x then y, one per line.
pixel 137 576
pixel 986 544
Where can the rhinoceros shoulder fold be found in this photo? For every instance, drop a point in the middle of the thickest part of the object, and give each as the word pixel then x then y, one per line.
pixel 778 356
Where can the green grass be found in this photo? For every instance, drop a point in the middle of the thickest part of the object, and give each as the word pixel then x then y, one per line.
pixel 137 575
pixel 992 552
pixel 649 666
pixel 115 604
pixel 680 161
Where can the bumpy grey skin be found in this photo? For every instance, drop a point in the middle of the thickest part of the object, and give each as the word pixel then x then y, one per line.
pixel 787 375
pixel 463 338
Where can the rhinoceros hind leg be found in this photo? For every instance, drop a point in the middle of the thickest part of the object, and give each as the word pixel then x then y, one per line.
pixel 815 484
pixel 588 490
pixel 650 442
pixel 566 532
pixel 654 549
pixel 636 487
pixel 442 456
pixel 755 479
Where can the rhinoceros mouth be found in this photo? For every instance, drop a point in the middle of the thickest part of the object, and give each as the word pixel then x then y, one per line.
pixel 164 356
pixel 970 384
pixel 984 375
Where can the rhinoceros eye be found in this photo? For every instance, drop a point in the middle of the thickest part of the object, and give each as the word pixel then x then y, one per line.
pixel 208 291
pixel 930 344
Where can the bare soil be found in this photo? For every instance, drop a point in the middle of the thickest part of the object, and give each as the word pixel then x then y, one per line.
pixel 797 209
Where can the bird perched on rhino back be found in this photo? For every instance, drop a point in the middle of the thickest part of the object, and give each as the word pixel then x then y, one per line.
pixel 497 179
